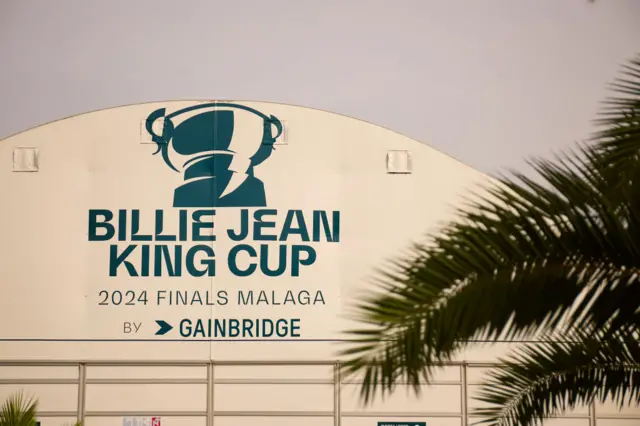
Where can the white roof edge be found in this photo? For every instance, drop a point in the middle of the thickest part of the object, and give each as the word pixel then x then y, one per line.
pixel 457 160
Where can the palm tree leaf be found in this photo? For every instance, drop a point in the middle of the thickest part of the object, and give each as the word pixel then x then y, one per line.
pixel 523 259
pixel 618 142
pixel 18 411
pixel 548 379
pixel 478 280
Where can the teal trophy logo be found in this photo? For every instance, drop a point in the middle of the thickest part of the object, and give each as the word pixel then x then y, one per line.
pixel 216 146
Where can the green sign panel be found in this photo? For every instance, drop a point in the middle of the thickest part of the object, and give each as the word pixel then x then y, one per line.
pixel 402 423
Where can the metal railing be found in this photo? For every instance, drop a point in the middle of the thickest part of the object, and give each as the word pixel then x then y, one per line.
pixel 210 413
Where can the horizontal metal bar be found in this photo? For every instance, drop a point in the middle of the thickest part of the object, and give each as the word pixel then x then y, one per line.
pixel 162 363
pixel 167 381
pixel 618 416
pixel 284 363
pixel 204 363
pixel 38 363
pixel 38 381
pixel 292 414
pixel 146 363
pixel 273 413
pixel 101 363
pixel 404 414
pixel 586 416
pixel 273 382
pixel 567 416
pixel 57 414
pixel 434 383
pixel 145 413
pixel 572 416
pixel 483 364
pixel 191 381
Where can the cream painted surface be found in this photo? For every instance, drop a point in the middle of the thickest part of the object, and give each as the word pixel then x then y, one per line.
pixel 38 372
pixel 442 375
pixel 474 391
pixel 148 372
pixel 51 397
pixel 298 393
pixel 273 397
pixel 274 372
pixel 618 422
pixel 166 421
pixel 60 421
pixel 156 397
pixel 102 160
pixel 366 421
pixel 434 399
pixel 279 421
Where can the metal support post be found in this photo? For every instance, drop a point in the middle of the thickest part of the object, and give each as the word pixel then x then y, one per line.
pixel 337 384
pixel 82 392
pixel 210 390
pixel 464 400
pixel 592 413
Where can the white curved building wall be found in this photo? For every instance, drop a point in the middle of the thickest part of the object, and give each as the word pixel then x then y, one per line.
pixel 56 278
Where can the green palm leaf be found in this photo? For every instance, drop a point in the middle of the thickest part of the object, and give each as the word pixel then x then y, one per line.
pixel 18 411
pixel 528 259
pixel 550 378
pixel 618 142
pixel 491 273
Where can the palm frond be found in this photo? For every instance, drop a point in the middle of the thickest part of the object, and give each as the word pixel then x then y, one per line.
pixel 19 411
pixel 511 266
pixel 551 378
pixel 618 141
pixel 525 259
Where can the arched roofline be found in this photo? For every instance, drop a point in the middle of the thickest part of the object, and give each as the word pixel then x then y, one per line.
pixel 457 160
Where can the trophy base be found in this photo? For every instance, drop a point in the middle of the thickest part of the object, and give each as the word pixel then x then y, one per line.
pixel 206 193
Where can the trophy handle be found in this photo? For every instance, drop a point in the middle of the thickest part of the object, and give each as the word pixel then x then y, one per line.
pixel 162 139
pixel 151 119
pixel 273 122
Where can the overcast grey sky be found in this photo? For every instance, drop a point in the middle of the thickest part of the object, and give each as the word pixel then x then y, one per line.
pixel 486 81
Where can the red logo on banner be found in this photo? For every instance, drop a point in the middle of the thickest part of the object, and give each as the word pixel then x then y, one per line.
pixel 155 421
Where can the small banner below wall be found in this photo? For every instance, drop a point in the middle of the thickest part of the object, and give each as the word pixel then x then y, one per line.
pixel 402 423
pixel 141 421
